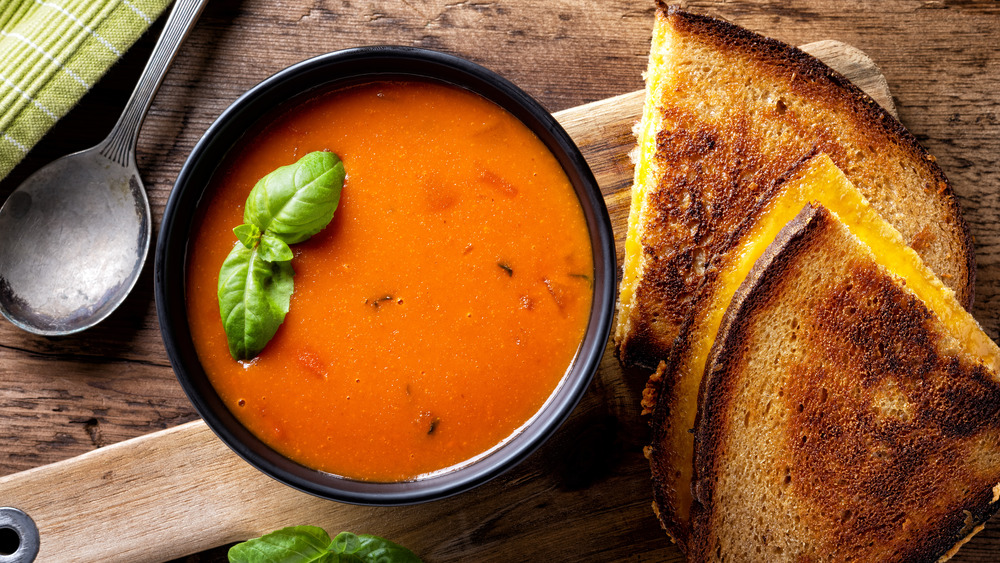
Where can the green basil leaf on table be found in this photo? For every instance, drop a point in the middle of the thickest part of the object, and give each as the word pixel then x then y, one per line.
pixel 287 206
pixel 310 544
pixel 297 201
pixel 372 548
pixel 288 545
pixel 253 299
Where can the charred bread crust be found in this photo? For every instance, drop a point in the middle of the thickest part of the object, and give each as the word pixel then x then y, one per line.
pixel 716 394
pixel 661 388
pixel 730 36
pixel 665 499
pixel 662 297
pixel 642 347
pixel 954 550
pixel 958 412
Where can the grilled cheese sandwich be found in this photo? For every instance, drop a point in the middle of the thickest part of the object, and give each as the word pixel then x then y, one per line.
pixel 841 417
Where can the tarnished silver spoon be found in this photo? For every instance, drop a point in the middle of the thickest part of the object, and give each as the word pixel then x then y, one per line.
pixel 74 236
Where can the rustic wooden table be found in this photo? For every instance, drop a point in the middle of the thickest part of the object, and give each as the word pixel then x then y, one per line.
pixel 61 397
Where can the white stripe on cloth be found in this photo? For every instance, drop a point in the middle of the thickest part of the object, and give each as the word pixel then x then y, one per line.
pixel 28 97
pixel 32 44
pixel 139 12
pixel 14 142
pixel 85 27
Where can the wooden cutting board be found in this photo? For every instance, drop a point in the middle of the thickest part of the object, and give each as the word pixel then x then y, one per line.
pixel 584 496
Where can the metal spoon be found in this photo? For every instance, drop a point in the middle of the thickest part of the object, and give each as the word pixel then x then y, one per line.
pixel 74 236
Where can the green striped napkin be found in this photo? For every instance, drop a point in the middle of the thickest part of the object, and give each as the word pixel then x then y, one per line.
pixel 51 53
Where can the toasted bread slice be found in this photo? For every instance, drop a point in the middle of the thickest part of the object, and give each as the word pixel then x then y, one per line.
pixel 815 180
pixel 840 419
pixel 727 112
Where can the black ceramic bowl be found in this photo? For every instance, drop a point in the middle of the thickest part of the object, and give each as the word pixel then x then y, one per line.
pixel 331 71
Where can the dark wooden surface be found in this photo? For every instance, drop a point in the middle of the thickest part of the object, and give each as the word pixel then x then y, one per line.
pixel 66 396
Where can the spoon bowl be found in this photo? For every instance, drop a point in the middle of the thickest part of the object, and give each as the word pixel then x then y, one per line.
pixel 73 240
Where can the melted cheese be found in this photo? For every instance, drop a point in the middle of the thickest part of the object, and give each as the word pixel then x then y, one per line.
pixel 658 77
pixel 822 182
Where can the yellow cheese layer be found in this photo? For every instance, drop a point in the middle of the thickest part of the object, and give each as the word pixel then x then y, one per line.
pixel 821 181
pixel 658 77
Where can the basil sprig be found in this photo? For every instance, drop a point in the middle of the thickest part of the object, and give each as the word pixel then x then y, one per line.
pixel 295 202
pixel 309 544
pixel 285 207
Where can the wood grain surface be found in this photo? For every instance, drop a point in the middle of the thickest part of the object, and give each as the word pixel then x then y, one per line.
pixel 183 482
pixel 67 396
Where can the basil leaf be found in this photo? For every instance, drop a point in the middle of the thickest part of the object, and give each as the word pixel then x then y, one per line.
pixel 287 206
pixel 372 549
pixel 274 249
pixel 309 544
pixel 253 299
pixel 297 201
pixel 248 234
pixel 299 544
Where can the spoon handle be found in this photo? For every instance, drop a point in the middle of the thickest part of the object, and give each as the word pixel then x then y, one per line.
pixel 119 146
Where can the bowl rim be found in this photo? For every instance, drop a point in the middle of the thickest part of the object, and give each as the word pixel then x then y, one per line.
pixel 355 66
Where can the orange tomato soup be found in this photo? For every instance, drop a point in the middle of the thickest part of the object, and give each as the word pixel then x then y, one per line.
pixel 435 314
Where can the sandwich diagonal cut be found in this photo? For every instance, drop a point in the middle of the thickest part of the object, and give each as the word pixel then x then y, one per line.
pixel 816 179
pixel 843 416
pixel 727 112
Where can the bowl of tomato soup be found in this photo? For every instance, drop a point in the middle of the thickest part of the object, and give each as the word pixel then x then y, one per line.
pixel 448 318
